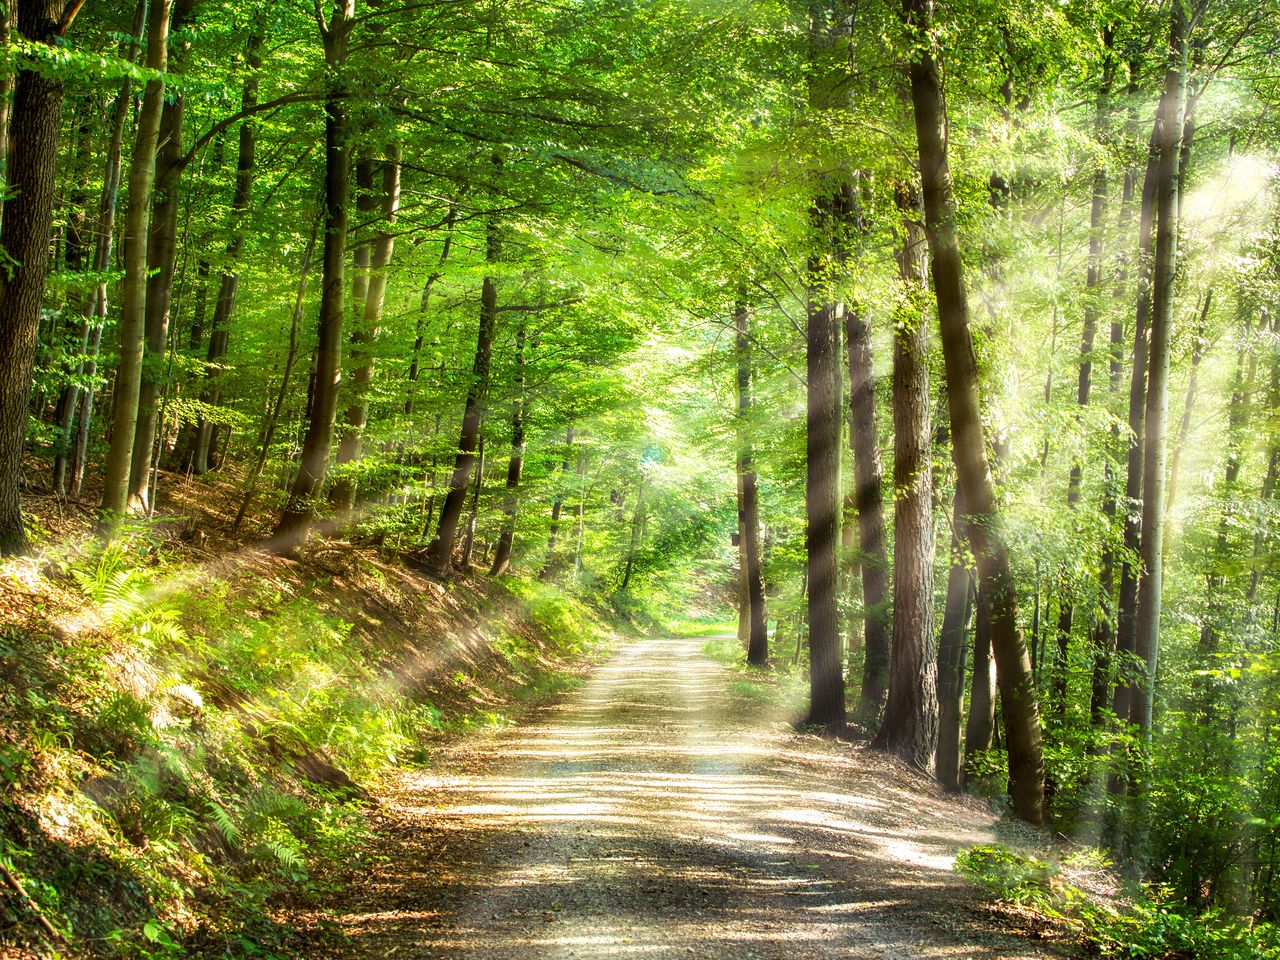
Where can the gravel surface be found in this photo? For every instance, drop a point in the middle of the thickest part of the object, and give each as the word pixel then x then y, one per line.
pixel 654 813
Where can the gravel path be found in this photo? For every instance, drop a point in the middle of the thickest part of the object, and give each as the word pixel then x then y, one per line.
pixel 656 814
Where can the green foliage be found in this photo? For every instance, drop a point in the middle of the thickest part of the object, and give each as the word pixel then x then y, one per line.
pixel 1152 927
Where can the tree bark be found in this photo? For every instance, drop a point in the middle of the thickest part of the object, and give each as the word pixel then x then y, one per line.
pixel 910 726
pixel 822 479
pixel 32 164
pixel 440 550
pixel 868 495
pixel 519 412
pixel 973 471
pixel 299 512
pixel 161 261
pixel 1151 550
pixel 375 298
pixel 750 561
pixel 951 657
pixel 469 538
pixel 133 300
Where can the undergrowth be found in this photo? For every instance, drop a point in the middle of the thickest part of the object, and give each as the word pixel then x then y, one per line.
pixel 180 745
pixel 1150 925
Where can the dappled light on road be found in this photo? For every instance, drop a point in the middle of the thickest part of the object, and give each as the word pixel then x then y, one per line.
pixel 656 814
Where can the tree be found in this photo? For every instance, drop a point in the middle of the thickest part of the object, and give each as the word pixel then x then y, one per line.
pixel 1020 705
pixel 752 617
pixel 31 166
pixel 299 512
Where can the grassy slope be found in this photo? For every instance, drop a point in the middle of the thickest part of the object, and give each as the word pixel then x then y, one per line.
pixel 187 732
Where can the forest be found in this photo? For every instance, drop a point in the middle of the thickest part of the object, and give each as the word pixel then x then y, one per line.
pixel 933 346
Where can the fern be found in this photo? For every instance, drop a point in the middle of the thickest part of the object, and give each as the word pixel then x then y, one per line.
pixel 223 821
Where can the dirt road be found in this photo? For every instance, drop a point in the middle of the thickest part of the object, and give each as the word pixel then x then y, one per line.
pixel 656 814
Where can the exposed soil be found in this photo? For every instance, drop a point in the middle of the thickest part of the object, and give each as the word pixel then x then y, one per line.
pixel 656 813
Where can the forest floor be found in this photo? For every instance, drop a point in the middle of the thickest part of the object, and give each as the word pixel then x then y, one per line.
pixel 661 811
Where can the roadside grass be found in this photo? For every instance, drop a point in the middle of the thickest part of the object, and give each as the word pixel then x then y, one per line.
pixel 183 742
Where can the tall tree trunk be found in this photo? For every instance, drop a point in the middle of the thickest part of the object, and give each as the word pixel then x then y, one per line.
pixel 32 164
pixel 6 91
pixel 1018 698
pixel 980 724
pixel 910 726
pixel 822 479
pixel 220 333
pixel 951 656
pixel 161 261
pixel 133 300
pixel 375 298
pixel 299 512
pixel 440 551
pixel 519 412
pixel 1151 549
pixel 868 477
pixel 750 560
pixel 1127 601
pixel 421 328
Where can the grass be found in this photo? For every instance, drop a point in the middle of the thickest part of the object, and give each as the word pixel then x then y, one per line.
pixel 182 743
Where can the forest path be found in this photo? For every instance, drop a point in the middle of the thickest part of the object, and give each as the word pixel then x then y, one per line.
pixel 656 813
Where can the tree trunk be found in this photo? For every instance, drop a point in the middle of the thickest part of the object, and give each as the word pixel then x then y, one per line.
pixel 519 411
pixel 750 562
pixel 981 723
pixel 1127 601
pixel 32 163
pixel 973 471
pixel 469 538
pixel 910 726
pixel 299 512
pixel 375 298
pixel 637 532
pixel 133 300
pixel 951 656
pixel 1198 348
pixel 557 507
pixel 334 35
pixel 1151 550
pixel 822 479
pixel 421 329
pixel 161 260
pixel 440 551
pixel 868 498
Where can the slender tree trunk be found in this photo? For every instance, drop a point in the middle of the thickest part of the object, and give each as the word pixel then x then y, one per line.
pixel 6 91
pixel 1198 348
pixel 375 299
pixel 161 261
pixel 133 300
pixel 220 334
pixel 637 532
pixel 1127 603
pixel 519 412
pixel 421 329
pixel 557 508
pixel 750 561
pixel 1151 550
pixel 910 726
pixel 440 551
pixel 951 656
pixel 299 512
pixel 469 537
pixel 822 480
pixel 973 471
pixel 868 477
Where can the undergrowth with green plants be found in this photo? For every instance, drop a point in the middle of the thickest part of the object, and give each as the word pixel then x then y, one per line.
pixel 1151 924
pixel 181 744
